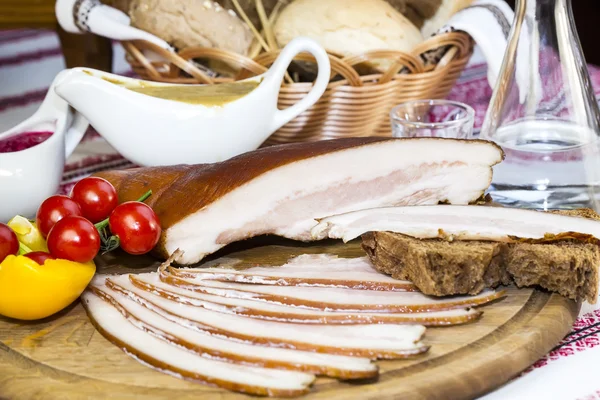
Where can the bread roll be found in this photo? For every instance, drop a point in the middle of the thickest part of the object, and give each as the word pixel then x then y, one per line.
pixel 443 14
pixel 190 23
pixel 347 27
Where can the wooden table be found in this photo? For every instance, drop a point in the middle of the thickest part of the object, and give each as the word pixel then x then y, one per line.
pixel 78 50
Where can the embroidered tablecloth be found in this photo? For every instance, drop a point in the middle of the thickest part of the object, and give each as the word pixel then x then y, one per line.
pixel 29 60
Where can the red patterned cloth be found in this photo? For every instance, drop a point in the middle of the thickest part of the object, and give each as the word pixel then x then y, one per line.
pixel 591 396
pixel 584 336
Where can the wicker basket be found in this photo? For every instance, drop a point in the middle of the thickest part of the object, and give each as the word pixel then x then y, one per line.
pixel 352 105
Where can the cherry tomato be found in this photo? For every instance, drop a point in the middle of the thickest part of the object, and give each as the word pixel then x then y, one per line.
pixel 9 244
pixel 136 225
pixel 96 197
pixel 40 257
pixel 52 210
pixel 74 238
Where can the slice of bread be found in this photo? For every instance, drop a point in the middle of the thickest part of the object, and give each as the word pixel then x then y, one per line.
pixel 439 267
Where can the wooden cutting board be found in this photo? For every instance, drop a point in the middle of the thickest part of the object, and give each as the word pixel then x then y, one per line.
pixel 64 357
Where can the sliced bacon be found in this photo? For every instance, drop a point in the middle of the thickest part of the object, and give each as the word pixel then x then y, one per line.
pixel 456 222
pixel 332 299
pixel 166 357
pixel 307 270
pixel 213 347
pixel 373 341
pixel 276 312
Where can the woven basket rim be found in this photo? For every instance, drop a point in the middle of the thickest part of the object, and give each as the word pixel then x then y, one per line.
pixel 459 46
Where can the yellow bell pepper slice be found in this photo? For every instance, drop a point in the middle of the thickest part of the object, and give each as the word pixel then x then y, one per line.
pixel 28 234
pixel 30 291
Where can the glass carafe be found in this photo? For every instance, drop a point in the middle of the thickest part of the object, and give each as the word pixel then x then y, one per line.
pixel 544 114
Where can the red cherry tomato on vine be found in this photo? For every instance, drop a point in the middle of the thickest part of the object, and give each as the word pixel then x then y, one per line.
pixel 9 244
pixel 74 238
pixel 96 197
pixel 136 225
pixel 52 210
pixel 40 257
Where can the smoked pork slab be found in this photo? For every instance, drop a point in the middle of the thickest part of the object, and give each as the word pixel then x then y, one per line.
pixel 281 190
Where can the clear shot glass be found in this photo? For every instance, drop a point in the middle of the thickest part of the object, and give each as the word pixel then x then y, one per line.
pixel 432 118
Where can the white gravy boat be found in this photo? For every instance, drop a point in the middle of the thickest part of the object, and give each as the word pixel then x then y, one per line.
pixel 152 131
pixel 29 176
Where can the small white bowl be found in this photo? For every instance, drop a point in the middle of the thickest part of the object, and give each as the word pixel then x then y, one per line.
pixel 28 177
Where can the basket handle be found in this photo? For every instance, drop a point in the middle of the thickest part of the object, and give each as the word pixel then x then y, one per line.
pixel 275 74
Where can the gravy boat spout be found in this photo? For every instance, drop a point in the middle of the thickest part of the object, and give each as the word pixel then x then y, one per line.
pixel 155 124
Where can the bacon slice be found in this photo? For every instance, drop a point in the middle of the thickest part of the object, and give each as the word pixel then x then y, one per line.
pixel 373 341
pixel 457 222
pixel 166 357
pixel 322 270
pixel 333 299
pixel 276 312
pixel 212 347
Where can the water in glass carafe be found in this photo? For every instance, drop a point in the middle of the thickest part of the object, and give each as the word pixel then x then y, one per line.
pixel 544 114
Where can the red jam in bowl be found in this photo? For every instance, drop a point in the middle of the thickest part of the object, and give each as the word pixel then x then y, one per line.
pixel 23 141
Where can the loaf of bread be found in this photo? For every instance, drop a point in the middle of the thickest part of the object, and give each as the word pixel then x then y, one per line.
pixel 439 267
pixel 191 23
pixel 347 27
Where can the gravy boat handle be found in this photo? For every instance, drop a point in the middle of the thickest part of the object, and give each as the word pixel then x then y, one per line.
pixel 277 71
pixel 75 133
pixel 76 123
